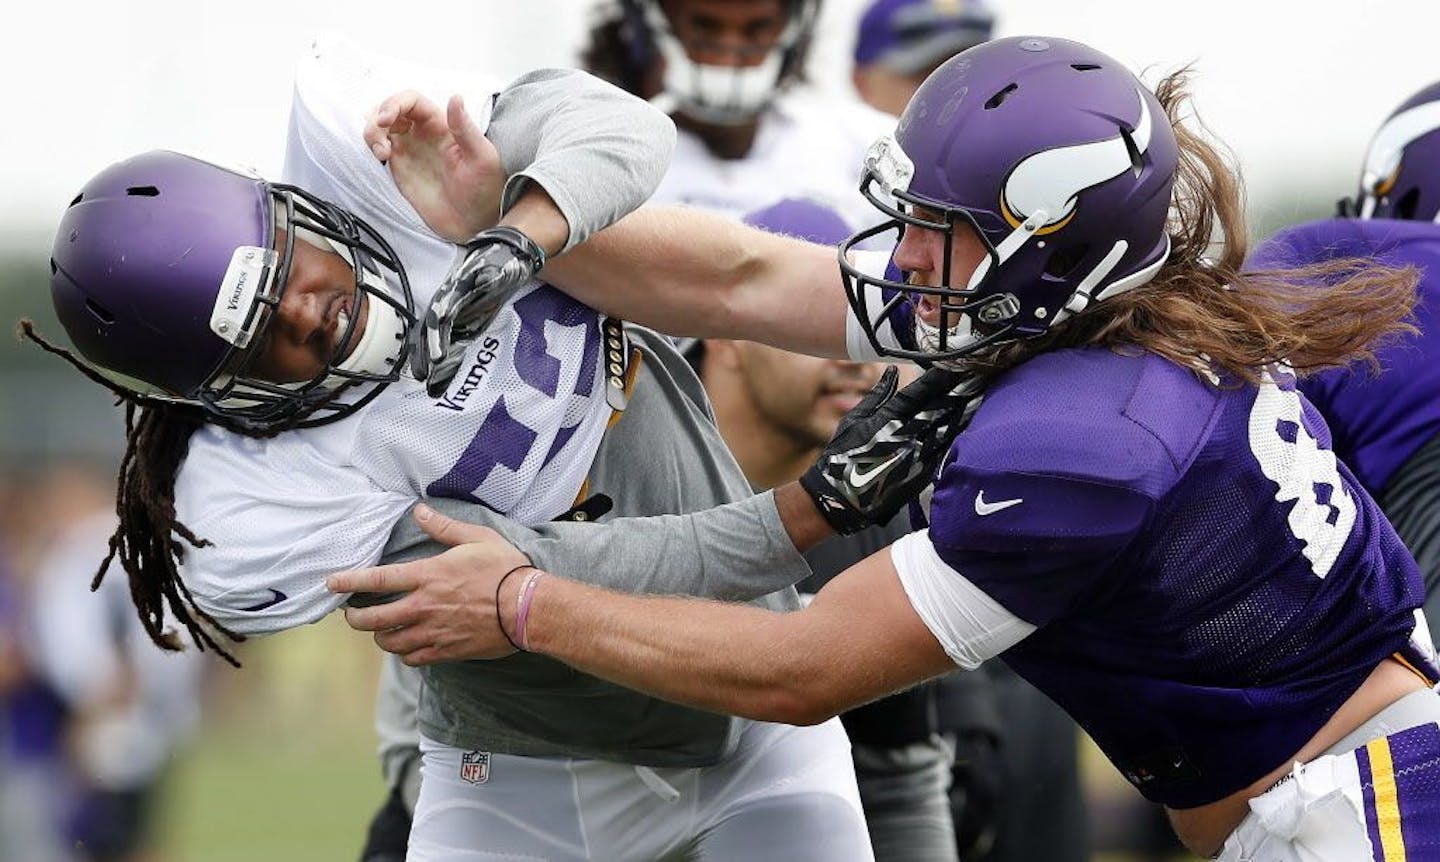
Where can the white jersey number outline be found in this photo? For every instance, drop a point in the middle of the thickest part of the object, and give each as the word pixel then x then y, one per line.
pixel 1323 512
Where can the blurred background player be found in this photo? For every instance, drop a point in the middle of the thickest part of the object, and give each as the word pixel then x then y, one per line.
pixel 36 786
pixel 1387 426
pixel 900 42
pixel 731 75
pixel 776 410
pixel 130 706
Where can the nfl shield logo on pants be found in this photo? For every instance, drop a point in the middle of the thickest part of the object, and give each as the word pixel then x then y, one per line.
pixel 475 766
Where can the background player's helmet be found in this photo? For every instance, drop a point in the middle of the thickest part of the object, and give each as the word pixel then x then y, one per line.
pixel 165 269
pixel 1062 161
pixel 802 218
pixel 1401 175
pixel 723 95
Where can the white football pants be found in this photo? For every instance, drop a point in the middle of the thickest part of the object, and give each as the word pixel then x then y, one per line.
pixel 787 793
pixel 1376 796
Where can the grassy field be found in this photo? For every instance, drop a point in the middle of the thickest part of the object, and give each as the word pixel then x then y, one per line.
pixel 284 768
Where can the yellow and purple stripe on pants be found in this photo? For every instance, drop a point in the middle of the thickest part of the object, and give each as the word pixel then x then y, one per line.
pixel 1400 784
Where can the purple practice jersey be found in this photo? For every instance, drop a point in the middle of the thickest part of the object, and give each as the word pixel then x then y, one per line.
pixel 1207 582
pixel 1378 422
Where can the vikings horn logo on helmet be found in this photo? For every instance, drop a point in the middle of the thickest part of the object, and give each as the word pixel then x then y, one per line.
pixel 1046 184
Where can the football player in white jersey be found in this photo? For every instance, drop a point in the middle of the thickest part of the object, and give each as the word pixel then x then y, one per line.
pixel 275 432
pixel 731 74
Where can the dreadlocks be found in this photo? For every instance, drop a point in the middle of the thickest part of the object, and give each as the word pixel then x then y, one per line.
pixel 148 540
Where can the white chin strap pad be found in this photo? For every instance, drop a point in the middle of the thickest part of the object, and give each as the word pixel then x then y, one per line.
pixel 379 347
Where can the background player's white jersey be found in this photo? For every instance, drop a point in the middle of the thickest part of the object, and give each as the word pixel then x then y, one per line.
pixel 808 145
pixel 285 512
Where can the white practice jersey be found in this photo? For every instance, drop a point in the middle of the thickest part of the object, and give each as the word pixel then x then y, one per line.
pixel 285 512
pixel 809 145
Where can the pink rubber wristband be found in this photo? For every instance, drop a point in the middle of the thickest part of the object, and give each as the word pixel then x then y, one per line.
pixel 522 612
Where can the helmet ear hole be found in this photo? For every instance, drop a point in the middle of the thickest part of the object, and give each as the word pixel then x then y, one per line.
pixel 1407 205
pixel 1063 261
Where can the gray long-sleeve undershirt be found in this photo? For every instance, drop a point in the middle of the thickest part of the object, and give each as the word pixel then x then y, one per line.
pixel 598 151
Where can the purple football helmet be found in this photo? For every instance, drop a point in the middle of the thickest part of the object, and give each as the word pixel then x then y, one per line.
pixel 1401 175
pixel 165 270
pixel 1062 162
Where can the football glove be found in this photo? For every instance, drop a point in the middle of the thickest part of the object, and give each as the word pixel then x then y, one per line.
pixel 496 263
pixel 886 450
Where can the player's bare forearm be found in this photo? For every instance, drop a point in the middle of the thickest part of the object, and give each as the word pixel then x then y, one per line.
pixel 686 272
pixel 721 657
pixel 859 640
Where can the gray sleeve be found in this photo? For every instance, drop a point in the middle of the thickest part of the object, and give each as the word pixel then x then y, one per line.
pixel 597 150
pixel 736 552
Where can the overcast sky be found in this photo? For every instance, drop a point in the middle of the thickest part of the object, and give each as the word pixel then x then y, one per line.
pixel 1295 88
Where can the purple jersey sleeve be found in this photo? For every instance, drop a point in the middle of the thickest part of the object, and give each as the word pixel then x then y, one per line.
pixel 1039 524
pixel 1037 544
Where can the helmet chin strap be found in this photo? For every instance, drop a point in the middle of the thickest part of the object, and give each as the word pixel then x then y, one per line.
pixel 960 334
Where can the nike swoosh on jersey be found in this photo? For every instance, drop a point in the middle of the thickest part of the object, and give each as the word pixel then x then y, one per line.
pixel 276 597
pixel 983 508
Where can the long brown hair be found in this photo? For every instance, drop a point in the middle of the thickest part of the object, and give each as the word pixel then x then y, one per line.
pixel 1203 311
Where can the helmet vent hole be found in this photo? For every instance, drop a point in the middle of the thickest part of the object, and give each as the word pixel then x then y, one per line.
pixel 1407 205
pixel 1063 261
pixel 78 198
pixel 996 100
pixel 53 268
pixel 1084 67
pixel 143 191
pixel 100 312
pixel 1136 163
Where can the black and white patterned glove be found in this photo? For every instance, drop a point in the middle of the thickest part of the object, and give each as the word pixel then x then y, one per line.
pixel 886 450
pixel 496 263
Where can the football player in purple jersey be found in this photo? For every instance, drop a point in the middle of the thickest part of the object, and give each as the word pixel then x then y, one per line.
pixel 1386 427
pixel 1143 517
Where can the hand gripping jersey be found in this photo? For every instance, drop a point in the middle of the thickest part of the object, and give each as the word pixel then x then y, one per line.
pixel 1378 421
pixel 516 431
pixel 1184 567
